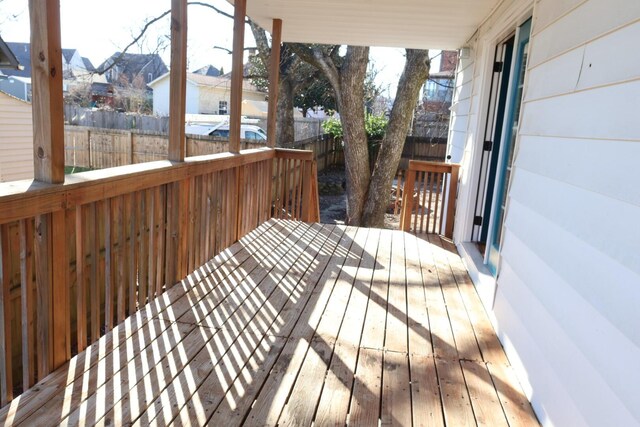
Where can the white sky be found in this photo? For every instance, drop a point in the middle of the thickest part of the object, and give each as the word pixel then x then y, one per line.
pixel 98 29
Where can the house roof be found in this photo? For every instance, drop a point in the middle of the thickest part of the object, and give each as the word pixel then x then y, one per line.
pixel 22 52
pixel 133 64
pixel 209 81
pixel 421 24
pixel 88 64
pixel 7 58
pixel 208 70
pixel 68 54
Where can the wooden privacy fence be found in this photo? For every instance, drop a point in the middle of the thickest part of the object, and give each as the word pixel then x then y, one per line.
pixel 326 150
pixel 428 197
pixel 105 148
pixel 78 258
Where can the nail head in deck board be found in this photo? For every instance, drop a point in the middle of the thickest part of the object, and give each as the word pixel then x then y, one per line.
pixel 374 329
pixel 484 398
pixel 444 344
pixel 396 389
pixel 516 407
pixel 455 397
pixel 365 398
pixel 396 338
pixel 425 392
pixel 463 333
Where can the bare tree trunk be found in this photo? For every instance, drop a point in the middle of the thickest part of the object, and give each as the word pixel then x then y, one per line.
pixel 351 108
pixel 285 133
pixel 415 73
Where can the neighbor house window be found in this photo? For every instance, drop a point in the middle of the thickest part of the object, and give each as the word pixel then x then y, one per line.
pixel 149 77
pixel 222 107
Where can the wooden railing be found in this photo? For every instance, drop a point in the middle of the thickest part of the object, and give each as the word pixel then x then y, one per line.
pixel 295 189
pixel 77 258
pixel 428 197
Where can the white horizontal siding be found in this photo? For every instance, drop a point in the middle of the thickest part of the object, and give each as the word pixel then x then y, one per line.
pixel 570 258
pixel 589 66
pixel 16 139
pixel 567 304
pixel 609 112
pixel 550 11
pixel 585 23
pixel 580 345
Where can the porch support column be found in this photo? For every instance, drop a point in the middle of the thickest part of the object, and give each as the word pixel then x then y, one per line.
pixel 46 84
pixel 274 77
pixel 178 80
pixel 52 300
pixel 177 192
pixel 239 16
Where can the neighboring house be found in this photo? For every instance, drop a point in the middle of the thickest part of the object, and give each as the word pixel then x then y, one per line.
pixel 18 87
pixel 77 71
pixel 16 139
pixel 433 115
pixel 205 94
pixel 8 59
pixel 16 128
pixel 545 126
pixel 133 68
pixel 208 70
pixel 129 75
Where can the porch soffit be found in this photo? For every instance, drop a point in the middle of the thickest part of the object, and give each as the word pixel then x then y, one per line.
pixel 424 24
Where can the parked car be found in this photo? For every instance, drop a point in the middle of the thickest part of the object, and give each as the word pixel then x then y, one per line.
pixel 249 132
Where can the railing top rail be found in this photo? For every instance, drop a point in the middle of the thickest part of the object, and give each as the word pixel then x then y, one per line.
pixel 290 153
pixel 24 199
pixel 427 166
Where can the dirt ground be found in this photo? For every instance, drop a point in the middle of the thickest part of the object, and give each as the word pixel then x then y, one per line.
pixel 333 199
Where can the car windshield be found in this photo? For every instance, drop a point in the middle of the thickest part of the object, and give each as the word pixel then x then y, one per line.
pixel 220 132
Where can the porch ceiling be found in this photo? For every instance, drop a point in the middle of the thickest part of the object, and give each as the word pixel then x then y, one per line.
pixel 435 24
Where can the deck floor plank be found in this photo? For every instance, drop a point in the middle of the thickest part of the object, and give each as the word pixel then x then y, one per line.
pixel 297 324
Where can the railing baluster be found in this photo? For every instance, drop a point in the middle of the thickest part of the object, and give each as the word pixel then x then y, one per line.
pixel 109 237
pixel 6 377
pixel 81 308
pixel 26 299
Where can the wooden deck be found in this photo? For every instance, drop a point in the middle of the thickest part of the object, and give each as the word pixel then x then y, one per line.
pixel 293 325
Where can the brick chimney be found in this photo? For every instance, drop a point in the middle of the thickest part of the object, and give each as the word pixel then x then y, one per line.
pixel 448 60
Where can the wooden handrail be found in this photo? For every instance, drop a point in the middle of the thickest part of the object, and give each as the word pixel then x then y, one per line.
pixel 131 232
pixel 435 181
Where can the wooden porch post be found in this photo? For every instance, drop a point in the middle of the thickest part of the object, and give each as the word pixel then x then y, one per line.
pixel 274 77
pixel 178 80
pixel 237 74
pixel 52 304
pixel 177 193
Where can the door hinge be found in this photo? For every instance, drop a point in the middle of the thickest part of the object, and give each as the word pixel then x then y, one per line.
pixel 497 66
pixel 487 146
pixel 477 220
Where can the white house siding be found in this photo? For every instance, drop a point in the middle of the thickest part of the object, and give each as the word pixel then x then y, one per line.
pixel 16 139
pixel 161 98
pixel 210 98
pixel 567 305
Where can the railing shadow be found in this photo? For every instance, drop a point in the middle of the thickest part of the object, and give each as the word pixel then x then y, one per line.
pixel 231 343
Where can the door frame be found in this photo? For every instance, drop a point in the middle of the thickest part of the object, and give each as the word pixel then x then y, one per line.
pixel 507 145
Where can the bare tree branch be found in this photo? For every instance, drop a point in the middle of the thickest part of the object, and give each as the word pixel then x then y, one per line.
pixel 152 21
pixel 229 51
pixel 317 57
